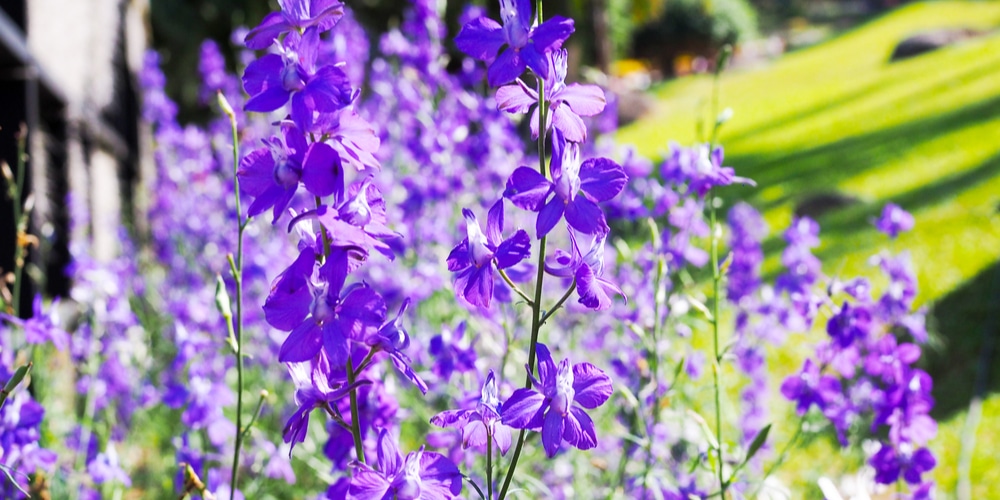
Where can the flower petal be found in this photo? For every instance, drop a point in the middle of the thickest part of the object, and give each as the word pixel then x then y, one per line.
pixel 322 172
pixel 592 386
pixel 527 189
pixel 523 410
pixel 551 34
pixel 505 68
pixel 552 433
pixel 602 179
pixel 516 98
pixel 389 459
pixel 549 216
pixel 585 216
pixel 481 38
pixel 588 436
pixel 568 122
pixel 584 100
pixel 513 250
pixel 302 343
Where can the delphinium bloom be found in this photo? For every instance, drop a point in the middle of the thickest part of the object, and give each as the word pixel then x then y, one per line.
pixel 322 314
pixel 576 189
pixel 318 15
pixel 422 475
pixel 803 270
pixel 274 78
pixel 552 411
pixel 482 424
pixel 587 269
pixel 567 103
pixel 392 339
pixel 316 386
pixel 41 327
pixel 473 259
pixel 526 44
pixel 271 175
pixel 894 220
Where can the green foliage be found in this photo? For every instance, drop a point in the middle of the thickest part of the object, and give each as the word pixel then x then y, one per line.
pixel 838 117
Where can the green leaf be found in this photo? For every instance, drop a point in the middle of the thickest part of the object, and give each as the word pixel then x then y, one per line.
pixel 758 441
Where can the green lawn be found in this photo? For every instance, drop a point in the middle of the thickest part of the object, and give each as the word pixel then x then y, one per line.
pixel 924 133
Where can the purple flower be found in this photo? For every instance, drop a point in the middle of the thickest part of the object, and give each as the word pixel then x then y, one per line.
pixel 423 475
pixel 315 387
pixel 481 424
pixel 474 257
pixel 598 179
pixel 323 314
pixel 889 463
pixel 595 292
pixel 566 102
pixel 482 38
pixel 850 324
pixel 272 174
pixel 808 387
pixel 41 327
pixel 710 173
pixel 552 410
pixel 273 78
pixel 319 15
pixel 393 339
pixel 894 220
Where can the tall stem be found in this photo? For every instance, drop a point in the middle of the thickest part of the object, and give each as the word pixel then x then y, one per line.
pixel 536 305
pixel 237 270
pixel 359 447
pixel 489 466
pixel 659 297
pixel 716 368
pixel 20 226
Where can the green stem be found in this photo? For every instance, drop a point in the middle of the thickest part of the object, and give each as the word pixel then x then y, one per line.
pixel 562 300
pixel 359 447
pixel 536 306
pixel 489 466
pixel 716 279
pixel 510 283
pixel 659 297
pixel 20 226
pixel 781 456
pixel 238 279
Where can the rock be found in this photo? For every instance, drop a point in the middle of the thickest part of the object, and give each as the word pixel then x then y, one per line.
pixel 818 204
pixel 928 41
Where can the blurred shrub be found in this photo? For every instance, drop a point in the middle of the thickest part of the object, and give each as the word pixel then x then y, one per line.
pixel 694 27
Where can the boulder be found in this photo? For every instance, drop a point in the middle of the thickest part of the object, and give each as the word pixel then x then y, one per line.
pixel 928 41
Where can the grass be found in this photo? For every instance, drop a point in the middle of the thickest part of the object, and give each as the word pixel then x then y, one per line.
pixel 925 133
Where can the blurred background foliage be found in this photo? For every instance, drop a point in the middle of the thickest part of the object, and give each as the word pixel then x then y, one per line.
pixel 654 32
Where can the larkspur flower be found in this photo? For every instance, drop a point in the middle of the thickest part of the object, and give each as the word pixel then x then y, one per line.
pixel 393 339
pixel 316 386
pixel 576 189
pixel 810 387
pixel 421 475
pixel 271 175
pixel 567 103
pixel 473 259
pixel 890 463
pixel 317 15
pixel 41 327
pixel 482 424
pixel 275 78
pixel 527 45
pixel 894 220
pixel 587 269
pixel 552 411
pixel 323 314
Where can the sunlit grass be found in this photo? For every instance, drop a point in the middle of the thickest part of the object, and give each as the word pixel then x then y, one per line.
pixel 924 133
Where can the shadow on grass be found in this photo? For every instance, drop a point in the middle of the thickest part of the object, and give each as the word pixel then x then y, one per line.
pixel 807 171
pixel 968 327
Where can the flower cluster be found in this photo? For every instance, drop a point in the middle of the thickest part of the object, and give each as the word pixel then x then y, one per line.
pixel 866 373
